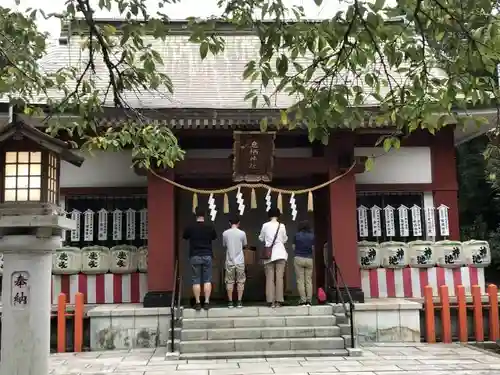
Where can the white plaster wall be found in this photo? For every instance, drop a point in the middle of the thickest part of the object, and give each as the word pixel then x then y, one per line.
pixel 102 169
pixel 407 165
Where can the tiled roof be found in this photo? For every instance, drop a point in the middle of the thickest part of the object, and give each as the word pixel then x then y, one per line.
pixel 213 83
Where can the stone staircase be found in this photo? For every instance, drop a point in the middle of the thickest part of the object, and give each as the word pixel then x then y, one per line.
pixel 263 332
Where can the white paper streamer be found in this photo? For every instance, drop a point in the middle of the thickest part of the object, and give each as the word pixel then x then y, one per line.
pixel 293 206
pixel 212 207
pixel 240 201
pixel 268 200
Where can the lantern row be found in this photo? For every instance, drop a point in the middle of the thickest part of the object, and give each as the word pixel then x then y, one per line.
pixel 374 215
pixel 86 218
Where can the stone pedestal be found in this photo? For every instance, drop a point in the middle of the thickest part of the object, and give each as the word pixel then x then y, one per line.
pixel 27 242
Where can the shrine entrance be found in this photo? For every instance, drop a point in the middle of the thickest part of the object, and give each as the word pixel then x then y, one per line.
pixel 251 222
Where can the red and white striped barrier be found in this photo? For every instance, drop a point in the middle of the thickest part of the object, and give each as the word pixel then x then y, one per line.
pixel 104 288
pixel 410 282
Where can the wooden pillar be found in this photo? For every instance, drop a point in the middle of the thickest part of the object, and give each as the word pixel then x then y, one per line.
pixel 444 177
pixel 343 232
pixel 161 241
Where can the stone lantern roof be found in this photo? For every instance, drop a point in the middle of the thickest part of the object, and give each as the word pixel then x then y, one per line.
pixel 28 127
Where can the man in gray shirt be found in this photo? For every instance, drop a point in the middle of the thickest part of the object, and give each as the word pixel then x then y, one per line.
pixel 234 241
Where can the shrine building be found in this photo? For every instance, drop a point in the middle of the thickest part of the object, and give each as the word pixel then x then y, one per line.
pixel 392 230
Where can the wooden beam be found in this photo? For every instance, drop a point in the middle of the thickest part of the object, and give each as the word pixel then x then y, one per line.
pixel 283 167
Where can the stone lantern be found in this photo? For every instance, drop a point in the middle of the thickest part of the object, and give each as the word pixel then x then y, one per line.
pixel 31 226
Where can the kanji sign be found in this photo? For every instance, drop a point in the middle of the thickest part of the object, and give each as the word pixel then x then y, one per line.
pixel 20 290
pixel 253 156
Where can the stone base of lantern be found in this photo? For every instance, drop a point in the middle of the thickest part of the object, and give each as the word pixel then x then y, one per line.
pixel 102 288
pixel 410 282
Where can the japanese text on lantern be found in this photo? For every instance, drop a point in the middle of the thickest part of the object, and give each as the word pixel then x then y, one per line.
pixel 253 156
pixel 20 289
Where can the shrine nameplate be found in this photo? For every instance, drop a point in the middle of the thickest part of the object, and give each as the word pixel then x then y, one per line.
pixel 253 156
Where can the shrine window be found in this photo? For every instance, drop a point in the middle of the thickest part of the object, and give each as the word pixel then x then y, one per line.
pixel 394 200
pixel 23 176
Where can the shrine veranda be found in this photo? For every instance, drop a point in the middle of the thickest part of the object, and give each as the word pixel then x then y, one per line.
pixel 393 229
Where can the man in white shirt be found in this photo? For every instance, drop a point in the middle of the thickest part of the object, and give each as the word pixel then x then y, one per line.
pixel 274 267
pixel 235 240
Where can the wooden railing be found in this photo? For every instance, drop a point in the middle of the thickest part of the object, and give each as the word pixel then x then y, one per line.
pixel 77 314
pixel 477 306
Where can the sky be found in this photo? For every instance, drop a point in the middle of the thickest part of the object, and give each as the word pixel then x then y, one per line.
pixel 186 8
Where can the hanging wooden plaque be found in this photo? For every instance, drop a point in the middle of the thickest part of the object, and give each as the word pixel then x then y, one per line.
pixel 253 156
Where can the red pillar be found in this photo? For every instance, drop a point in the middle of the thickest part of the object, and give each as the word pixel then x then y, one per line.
pixel 444 177
pixel 343 230
pixel 161 241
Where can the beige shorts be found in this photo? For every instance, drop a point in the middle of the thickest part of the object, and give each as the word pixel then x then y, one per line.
pixel 235 274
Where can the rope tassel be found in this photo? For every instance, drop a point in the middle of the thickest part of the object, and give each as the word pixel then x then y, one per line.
pixel 195 202
pixel 279 203
pixel 253 200
pixel 310 202
pixel 226 204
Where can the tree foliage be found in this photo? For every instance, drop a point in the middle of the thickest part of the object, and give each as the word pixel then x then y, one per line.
pixel 413 64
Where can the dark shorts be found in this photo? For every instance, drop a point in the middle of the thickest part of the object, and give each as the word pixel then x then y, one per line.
pixel 201 269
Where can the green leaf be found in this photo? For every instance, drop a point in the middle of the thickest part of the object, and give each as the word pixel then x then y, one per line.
pixel 263 124
pixel 318 2
pixel 387 144
pixel 284 117
pixel 203 49
pixel 369 164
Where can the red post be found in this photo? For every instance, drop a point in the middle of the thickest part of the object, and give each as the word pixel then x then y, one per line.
pixel 445 313
pixel 478 313
pixel 61 323
pixel 430 325
pixel 494 318
pixel 78 339
pixel 462 314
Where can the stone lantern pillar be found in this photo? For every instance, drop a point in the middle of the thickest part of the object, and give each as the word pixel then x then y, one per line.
pixel 31 226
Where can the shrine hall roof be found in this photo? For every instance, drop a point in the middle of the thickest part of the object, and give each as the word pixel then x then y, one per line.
pixel 213 83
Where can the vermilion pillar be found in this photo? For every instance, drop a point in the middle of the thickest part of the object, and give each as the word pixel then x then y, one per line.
pixel 161 241
pixel 444 177
pixel 342 197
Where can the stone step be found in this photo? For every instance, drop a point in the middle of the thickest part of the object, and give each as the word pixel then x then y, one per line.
pixel 252 345
pixel 253 311
pixel 345 328
pixel 259 333
pixel 341 318
pixel 266 354
pixel 259 321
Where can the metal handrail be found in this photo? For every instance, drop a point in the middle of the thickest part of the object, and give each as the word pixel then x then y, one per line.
pixel 172 307
pixel 336 275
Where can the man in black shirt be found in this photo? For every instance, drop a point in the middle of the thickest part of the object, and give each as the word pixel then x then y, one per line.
pixel 200 236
